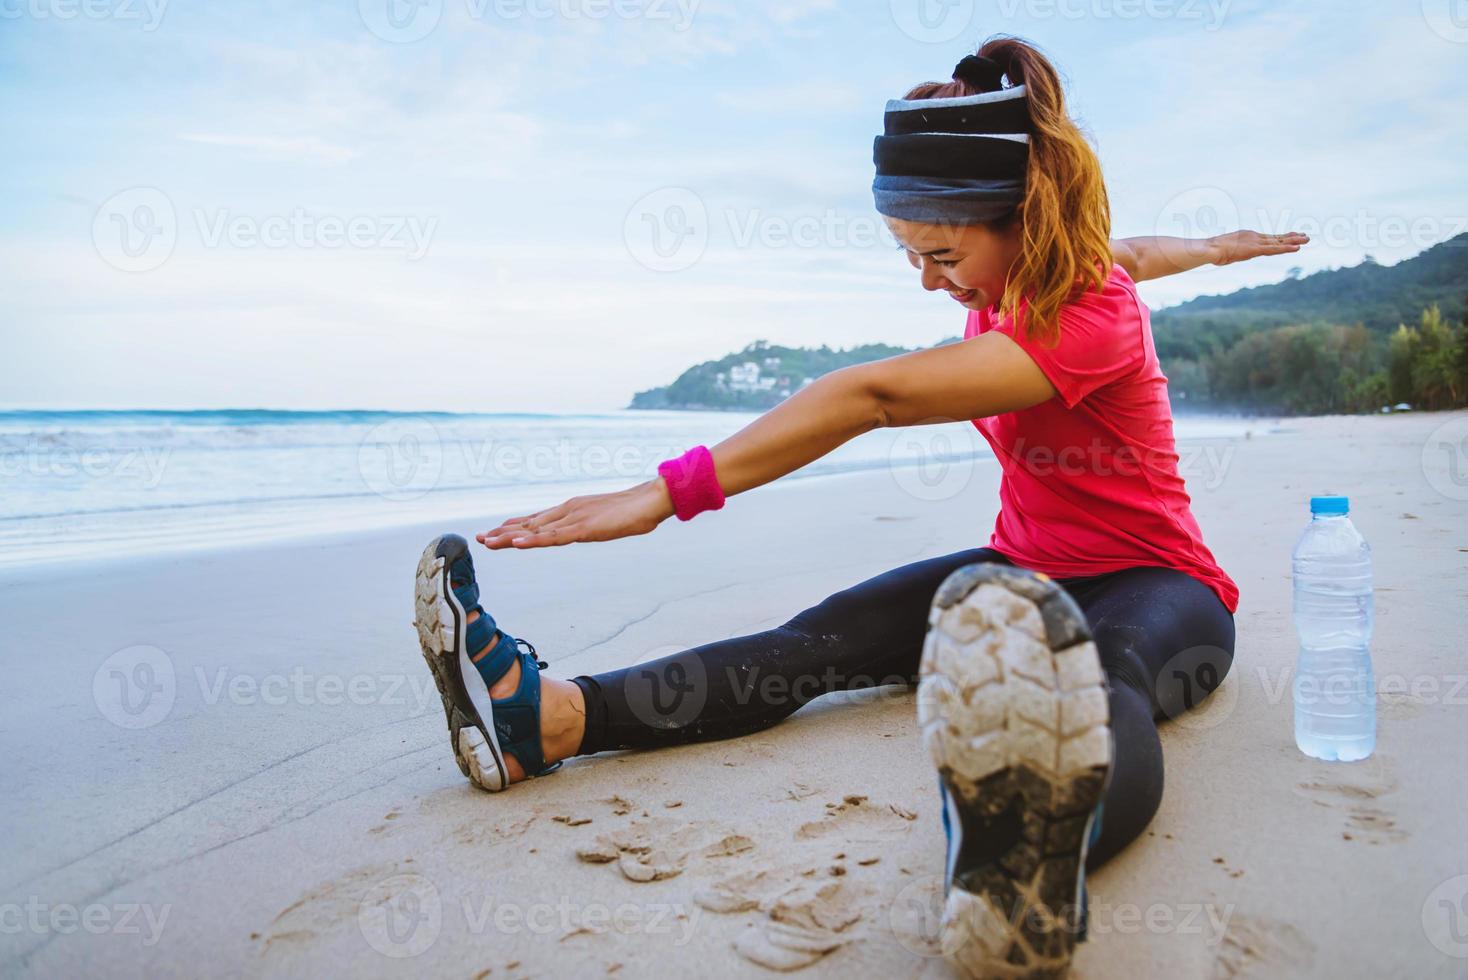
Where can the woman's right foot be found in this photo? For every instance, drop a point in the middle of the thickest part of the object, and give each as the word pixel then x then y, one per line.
pixel 505 720
pixel 1013 707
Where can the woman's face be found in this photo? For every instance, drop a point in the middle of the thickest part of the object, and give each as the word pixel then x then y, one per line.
pixel 970 262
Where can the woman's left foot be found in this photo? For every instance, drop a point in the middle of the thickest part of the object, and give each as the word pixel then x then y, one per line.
pixel 1013 707
pixel 505 720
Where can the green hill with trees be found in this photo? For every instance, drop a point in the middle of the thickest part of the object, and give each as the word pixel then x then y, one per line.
pixel 1341 340
pixel 758 377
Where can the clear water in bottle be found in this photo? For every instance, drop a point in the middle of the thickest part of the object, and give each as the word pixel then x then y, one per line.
pixel 1335 695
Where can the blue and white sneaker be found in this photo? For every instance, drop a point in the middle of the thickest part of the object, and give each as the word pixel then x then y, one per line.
pixel 1013 707
pixel 467 659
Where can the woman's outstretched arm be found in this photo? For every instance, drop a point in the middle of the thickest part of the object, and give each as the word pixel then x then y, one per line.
pixel 823 415
pixel 934 385
pixel 1157 256
pixel 920 388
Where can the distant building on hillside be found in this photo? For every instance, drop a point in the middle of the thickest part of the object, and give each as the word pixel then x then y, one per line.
pixel 745 377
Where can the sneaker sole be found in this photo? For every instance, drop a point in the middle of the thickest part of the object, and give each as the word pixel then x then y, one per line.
pixel 1012 702
pixel 442 623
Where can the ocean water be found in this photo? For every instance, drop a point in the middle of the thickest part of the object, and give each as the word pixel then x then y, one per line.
pixel 100 483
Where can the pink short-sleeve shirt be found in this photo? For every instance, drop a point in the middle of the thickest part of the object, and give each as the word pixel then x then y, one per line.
pixel 1090 478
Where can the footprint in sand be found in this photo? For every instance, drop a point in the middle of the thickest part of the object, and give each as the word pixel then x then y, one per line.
pixel 477 833
pixel 746 891
pixel 804 924
pixel 1399 705
pixel 655 848
pixel 1364 819
pixel 796 791
pixel 581 815
pixel 1373 825
pixel 857 819
pixel 325 908
pixel 1258 948
pixel 620 806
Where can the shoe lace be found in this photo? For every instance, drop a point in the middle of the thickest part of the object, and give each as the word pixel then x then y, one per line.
pixel 538 662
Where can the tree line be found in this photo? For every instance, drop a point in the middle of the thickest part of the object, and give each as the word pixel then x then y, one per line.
pixel 1314 369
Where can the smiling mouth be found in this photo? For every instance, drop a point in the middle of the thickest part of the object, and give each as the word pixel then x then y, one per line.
pixel 964 296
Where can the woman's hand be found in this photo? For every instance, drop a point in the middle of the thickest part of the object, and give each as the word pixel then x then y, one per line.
pixel 1238 246
pixel 1158 256
pixel 599 517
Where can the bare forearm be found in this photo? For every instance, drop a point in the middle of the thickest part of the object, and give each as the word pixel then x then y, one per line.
pixel 1156 256
pixel 830 411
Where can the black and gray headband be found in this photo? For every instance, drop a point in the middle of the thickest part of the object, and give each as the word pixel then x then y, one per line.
pixel 954 161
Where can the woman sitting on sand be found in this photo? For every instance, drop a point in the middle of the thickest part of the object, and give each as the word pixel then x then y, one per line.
pixel 1044 659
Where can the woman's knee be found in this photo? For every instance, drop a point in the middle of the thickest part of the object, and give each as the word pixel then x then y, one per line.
pixel 1167 635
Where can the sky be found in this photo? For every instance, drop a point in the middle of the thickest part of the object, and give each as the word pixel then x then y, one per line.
pixel 531 205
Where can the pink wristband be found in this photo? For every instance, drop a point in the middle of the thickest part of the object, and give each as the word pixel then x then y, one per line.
pixel 692 483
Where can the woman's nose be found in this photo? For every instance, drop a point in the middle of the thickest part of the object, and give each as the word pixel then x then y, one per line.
pixel 932 278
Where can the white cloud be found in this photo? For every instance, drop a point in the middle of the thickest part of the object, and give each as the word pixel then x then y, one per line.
pixel 308 149
pixel 528 142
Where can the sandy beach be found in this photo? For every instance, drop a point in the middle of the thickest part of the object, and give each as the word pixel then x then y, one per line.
pixel 232 763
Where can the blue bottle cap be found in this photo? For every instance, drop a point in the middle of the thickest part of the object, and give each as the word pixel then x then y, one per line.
pixel 1330 506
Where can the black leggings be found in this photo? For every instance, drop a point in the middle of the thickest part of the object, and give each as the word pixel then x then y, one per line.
pixel 1165 639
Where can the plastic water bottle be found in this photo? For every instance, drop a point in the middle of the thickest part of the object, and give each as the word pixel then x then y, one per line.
pixel 1335 695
